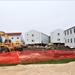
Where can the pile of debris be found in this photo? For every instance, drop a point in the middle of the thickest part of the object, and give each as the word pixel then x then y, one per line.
pixel 59 47
pixel 48 47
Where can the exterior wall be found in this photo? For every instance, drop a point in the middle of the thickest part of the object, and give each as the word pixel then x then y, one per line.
pixel 70 37
pixel 15 38
pixel 32 37
pixel 44 38
pixel 57 36
pixel 38 37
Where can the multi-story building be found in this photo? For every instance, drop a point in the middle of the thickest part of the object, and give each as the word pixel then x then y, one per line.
pixel 35 37
pixel 15 36
pixel 70 37
pixel 57 36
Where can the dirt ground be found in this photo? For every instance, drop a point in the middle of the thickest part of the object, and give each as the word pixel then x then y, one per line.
pixel 39 69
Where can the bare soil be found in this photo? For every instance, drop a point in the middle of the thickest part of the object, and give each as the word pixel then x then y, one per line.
pixel 39 69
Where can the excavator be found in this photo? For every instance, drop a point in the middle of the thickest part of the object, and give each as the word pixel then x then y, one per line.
pixel 18 45
pixel 5 43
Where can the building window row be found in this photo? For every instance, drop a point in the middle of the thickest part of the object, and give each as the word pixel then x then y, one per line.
pixel 13 38
pixel 69 31
pixel 31 40
pixel 32 35
pixel 71 40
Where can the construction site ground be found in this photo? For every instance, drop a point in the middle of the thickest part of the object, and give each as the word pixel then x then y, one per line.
pixel 39 69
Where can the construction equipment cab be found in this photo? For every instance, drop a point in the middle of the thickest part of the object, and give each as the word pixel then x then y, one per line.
pixel 5 43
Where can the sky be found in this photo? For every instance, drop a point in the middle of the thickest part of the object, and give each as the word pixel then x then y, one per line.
pixel 43 16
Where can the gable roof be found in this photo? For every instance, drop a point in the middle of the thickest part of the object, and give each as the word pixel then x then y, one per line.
pixel 37 31
pixel 32 30
pixel 14 34
pixel 57 30
pixel 70 28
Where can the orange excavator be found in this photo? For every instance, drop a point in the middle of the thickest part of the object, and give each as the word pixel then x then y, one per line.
pixel 5 43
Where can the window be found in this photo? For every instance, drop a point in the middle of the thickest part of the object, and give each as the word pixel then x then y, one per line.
pixel 67 32
pixel 65 41
pixel 74 40
pixel 58 34
pixel 41 41
pixel 17 37
pixel 74 30
pixel 32 40
pixel 58 39
pixel 0 39
pixel 32 35
pixel 70 31
pixel 12 38
pixel 71 40
pixel 68 40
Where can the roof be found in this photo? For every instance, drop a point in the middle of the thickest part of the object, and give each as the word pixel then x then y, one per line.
pixel 57 30
pixel 36 31
pixel 33 30
pixel 70 28
pixel 14 34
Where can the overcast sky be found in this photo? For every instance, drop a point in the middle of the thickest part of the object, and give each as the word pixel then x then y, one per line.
pixel 43 16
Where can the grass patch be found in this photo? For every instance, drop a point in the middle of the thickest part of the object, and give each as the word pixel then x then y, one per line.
pixel 61 61
pixel 1 65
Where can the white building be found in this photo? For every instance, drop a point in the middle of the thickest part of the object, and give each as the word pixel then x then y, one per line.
pixel 70 37
pixel 15 36
pixel 57 36
pixel 35 37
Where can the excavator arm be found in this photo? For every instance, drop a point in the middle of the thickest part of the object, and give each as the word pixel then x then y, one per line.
pixel 7 40
pixel 6 45
pixel 4 34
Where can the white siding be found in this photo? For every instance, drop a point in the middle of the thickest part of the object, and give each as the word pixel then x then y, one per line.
pixel 57 36
pixel 15 38
pixel 29 37
pixel 44 38
pixel 68 38
pixel 38 37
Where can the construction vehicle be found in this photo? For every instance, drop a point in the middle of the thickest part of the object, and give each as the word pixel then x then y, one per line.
pixel 5 43
pixel 18 45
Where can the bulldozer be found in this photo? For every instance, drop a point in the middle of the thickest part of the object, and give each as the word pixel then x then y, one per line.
pixel 5 43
